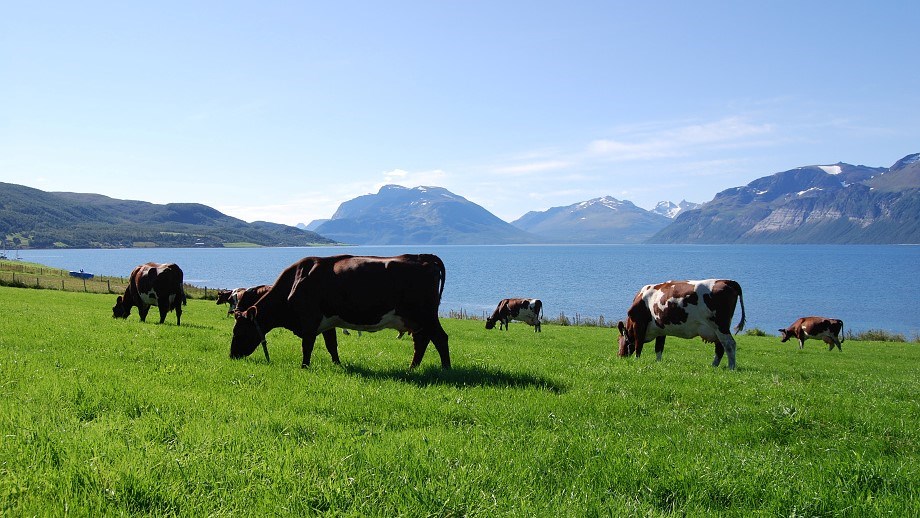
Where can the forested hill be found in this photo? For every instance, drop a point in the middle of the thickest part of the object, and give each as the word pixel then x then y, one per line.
pixel 39 219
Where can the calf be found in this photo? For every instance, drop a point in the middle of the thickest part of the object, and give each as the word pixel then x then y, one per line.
pixel 827 329
pixel 152 284
pixel 685 309
pixel 528 311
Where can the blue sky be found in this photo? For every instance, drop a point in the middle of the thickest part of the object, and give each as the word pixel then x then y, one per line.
pixel 280 111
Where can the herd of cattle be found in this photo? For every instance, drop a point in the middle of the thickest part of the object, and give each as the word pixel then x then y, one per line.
pixel 316 295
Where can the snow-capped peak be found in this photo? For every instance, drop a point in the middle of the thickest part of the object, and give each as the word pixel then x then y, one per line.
pixel 831 169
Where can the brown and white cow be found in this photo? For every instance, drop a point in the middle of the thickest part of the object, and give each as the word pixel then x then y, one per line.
pixel 152 284
pixel 528 311
pixel 317 294
pixel 685 309
pixel 240 299
pixel 827 329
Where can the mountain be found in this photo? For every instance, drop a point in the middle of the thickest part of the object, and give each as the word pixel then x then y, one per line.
pixel 670 210
pixel 601 220
pixel 312 225
pixel 838 203
pixel 418 216
pixel 38 219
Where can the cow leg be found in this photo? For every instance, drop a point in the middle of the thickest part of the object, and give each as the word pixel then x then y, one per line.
pixel 659 347
pixel 801 343
pixel 837 342
pixel 332 344
pixel 439 339
pixel 536 327
pixel 420 340
pixel 178 313
pixel 306 344
pixel 142 310
pixel 719 352
pixel 730 347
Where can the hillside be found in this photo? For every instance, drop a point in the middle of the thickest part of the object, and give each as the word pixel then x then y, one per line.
pixel 38 219
pixel 838 203
pixel 422 215
pixel 601 220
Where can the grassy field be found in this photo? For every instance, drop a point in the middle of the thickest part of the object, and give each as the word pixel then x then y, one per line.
pixel 104 417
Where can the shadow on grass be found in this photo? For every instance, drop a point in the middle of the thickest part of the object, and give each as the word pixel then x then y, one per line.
pixel 459 377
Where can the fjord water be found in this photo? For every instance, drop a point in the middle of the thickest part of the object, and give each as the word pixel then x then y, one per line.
pixel 868 286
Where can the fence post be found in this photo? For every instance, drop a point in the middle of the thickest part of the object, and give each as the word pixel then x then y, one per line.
pixel 108 284
pixel 84 284
pixel 37 285
pixel 62 284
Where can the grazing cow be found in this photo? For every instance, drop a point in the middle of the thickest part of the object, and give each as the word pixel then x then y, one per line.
pixel 827 329
pixel 684 309
pixel 528 311
pixel 152 284
pixel 241 299
pixel 317 294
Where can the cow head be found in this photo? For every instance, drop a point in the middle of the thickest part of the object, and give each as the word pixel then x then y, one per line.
pixel 247 335
pixel 121 309
pixel 223 296
pixel 627 338
pixel 490 323
pixel 785 334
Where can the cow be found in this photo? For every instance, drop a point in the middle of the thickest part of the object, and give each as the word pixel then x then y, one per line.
pixel 315 295
pixel 827 329
pixel 152 284
pixel 528 311
pixel 685 309
pixel 241 298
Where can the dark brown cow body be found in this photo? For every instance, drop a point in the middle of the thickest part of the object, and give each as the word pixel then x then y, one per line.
pixel 528 311
pixel 827 329
pixel 685 309
pixel 152 284
pixel 241 299
pixel 317 294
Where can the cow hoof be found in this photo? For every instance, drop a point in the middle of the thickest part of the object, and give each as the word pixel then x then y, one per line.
pixel 304 365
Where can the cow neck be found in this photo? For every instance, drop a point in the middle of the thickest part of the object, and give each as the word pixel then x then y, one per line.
pixel 268 311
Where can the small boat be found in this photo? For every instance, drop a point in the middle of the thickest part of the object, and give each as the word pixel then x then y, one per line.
pixel 81 275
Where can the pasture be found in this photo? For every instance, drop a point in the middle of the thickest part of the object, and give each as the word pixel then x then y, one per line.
pixel 101 417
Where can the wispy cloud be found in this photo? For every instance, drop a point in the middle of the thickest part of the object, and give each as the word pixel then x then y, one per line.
pixel 645 142
pixel 678 141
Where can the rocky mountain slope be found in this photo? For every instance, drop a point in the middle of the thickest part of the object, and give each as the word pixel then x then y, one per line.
pixel 838 203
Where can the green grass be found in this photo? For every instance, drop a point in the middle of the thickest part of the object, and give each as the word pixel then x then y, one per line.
pixel 105 417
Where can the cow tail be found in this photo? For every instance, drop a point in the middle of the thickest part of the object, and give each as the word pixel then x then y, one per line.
pixel 443 275
pixel 737 288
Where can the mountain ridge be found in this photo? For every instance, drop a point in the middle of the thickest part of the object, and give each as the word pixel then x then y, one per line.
pixel 39 219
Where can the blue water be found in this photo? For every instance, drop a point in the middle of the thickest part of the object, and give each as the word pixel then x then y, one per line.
pixel 869 287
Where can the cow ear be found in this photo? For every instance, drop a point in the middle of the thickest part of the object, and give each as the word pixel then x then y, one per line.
pixel 119 299
pixel 621 327
pixel 251 313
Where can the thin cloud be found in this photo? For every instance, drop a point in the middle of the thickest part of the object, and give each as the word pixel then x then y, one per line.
pixel 678 141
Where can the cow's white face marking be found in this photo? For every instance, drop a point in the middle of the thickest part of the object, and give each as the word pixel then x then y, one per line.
pixel 388 321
